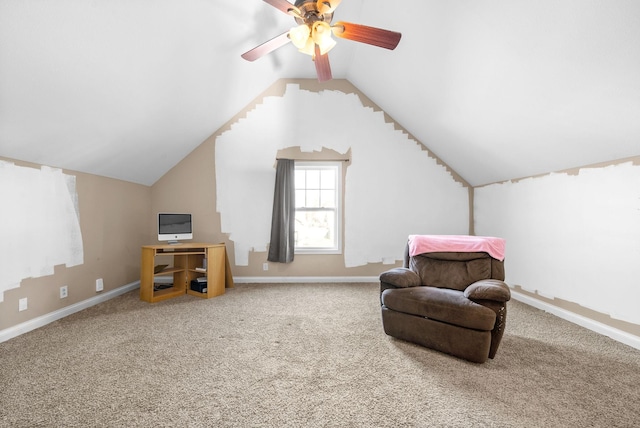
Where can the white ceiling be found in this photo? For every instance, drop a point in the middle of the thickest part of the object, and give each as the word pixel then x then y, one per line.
pixel 499 89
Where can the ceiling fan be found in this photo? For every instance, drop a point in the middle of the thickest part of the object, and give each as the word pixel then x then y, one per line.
pixel 312 35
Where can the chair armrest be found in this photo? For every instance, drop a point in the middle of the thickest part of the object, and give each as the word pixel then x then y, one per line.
pixel 401 277
pixel 488 289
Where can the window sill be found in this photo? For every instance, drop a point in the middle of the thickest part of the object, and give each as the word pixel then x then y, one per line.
pixel 317 251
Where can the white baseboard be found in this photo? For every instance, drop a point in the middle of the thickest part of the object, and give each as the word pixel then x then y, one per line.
pixel 618 335
pixel 301 279
pixel 43 320
pixel 598 327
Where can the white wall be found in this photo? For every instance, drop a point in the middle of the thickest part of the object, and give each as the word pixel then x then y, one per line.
pixel 393 187
pixel 39 223
pixel 573 237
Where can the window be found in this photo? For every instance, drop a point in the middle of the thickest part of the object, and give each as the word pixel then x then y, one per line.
pixel 318 215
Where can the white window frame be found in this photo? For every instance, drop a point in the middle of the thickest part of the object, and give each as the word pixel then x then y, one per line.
pixel 337 167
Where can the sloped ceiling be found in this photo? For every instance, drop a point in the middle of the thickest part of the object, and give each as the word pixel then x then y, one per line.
pixel 498 89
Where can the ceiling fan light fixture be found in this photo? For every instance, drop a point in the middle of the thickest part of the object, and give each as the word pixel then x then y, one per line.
pixel 309 48
pixel 337 29
pixel 300 35
pixel 325 6
pixel 321 35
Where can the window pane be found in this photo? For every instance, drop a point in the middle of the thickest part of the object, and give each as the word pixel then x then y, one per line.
pixel 313 179
pixel 315 229
pixel 328 198
pixel 300 179
pixel 313 199
pixel 300 198
pixel 328 178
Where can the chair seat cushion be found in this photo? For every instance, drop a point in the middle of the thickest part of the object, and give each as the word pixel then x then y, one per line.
pixel 441 304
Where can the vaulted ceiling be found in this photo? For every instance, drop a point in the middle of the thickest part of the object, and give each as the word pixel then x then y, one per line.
pixel 498 89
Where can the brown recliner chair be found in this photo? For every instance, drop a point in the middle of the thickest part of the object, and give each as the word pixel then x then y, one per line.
pixel 453 302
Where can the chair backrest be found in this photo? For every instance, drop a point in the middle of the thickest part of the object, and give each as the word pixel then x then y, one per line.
pixel 454 270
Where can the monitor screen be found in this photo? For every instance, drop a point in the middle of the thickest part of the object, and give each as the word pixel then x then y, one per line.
pixel 174 227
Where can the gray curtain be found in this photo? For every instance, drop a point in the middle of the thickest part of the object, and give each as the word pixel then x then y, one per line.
pixel 282 244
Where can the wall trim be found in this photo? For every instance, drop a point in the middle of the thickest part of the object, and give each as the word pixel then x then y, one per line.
pixel 598 327
pixel 302 279
pixel 27 326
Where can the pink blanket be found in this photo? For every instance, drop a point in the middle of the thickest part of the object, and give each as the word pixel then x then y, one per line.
pixel 419 244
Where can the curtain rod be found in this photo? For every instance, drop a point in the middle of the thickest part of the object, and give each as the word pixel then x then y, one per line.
pixel 316 160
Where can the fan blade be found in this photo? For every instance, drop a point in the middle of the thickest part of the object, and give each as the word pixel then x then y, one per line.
pixel 326 6
pixel 284 6
pixel 364 34
pixel 323 68
pixel 267 47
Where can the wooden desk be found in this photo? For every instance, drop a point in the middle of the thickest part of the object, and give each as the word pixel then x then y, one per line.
pixel 188 264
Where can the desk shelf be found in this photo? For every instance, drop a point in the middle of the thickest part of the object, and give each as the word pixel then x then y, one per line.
pixel 166 293
pixel 168 270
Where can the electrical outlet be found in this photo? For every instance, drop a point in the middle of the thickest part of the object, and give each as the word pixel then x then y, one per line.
pixel 265 266
pixel 64 292
pixel 99 284
pixel 22 304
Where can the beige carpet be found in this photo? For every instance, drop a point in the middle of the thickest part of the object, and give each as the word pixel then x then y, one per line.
pixel 304 355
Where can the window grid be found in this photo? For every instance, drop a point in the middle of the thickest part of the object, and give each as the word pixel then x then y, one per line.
pixel 317 186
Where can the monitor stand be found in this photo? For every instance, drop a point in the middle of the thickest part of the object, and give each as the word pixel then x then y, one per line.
pixel 173 242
